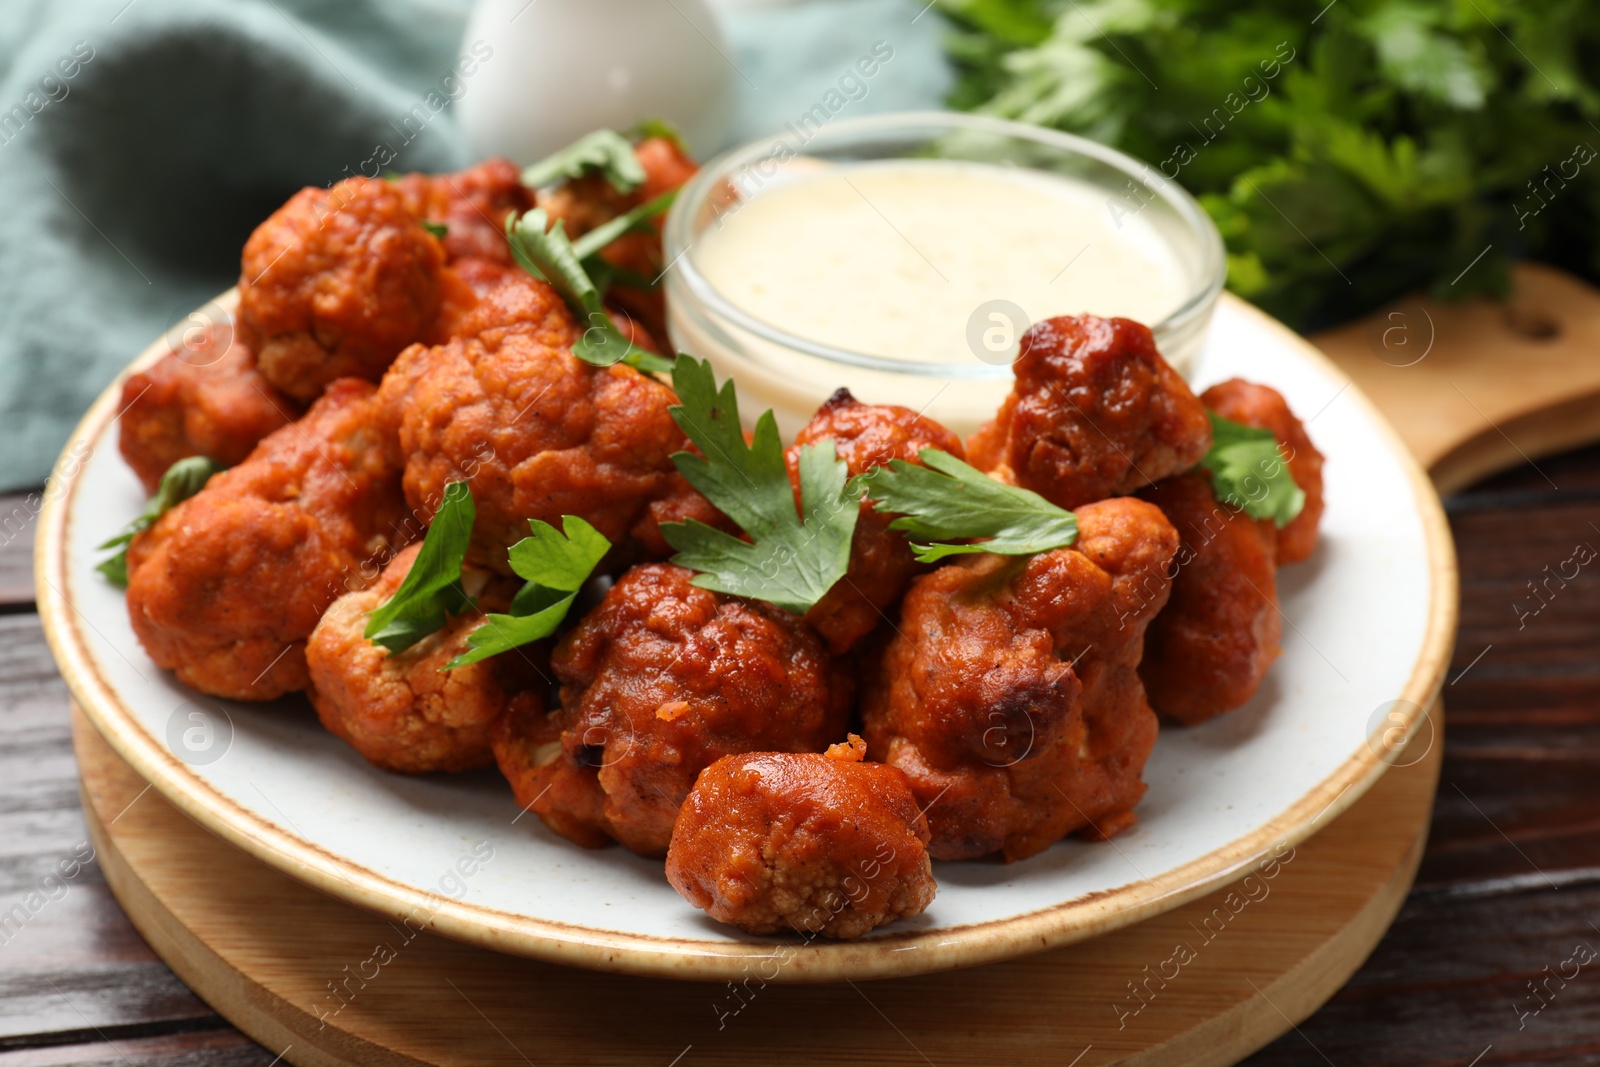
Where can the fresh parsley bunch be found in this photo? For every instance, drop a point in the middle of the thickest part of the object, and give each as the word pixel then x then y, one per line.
pixel 605 152
pixel 1349 151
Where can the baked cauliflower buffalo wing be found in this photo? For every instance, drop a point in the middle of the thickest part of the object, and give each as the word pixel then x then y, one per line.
pixel 1095 413
pixel 818 844
pixel 1264 407
pixel 471 205
pixel 1208 650
pixel 536 432
pixel 335 283
pixel 1010 694
pixel 204 399
pixel 225 588
pixel 881 562
pixel 402 710
pixel 657 683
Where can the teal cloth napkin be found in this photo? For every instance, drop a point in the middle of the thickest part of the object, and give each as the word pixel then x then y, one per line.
pixel 792 57
pixel 142 140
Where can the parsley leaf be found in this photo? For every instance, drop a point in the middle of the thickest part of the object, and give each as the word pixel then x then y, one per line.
pixel 1248 472
pixel 431 591
pixel 438 229
pixel 588 247
pixel 633 221
pixel 549 255
pixel 648 128
pixel 948 500
pixel 606 151
pixel 789 561
pixel 183 480
pixel 556 564
pixel 604 276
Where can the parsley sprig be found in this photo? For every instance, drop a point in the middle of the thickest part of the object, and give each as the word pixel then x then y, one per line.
pixel 1248 472
pixel 545 252
pixel 431 591
pixel 659 127
pixel 602 272
pixel 636 221
pixel 611 154
pixel 793 555
pixel 949 501
pixel 604 151
pixel 182 480
pixel 555 565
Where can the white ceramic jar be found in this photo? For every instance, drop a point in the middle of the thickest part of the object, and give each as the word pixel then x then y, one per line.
pixel 558 69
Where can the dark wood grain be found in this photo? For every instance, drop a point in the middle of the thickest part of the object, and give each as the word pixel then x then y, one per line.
pixel 19 513
pixel 211 1047
pixel 70 964
pixel 1510 884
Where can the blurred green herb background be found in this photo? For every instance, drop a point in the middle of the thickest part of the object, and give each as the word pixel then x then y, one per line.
pixel 1348 153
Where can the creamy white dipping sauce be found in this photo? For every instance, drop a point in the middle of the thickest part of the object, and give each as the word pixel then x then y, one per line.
pixel 896 258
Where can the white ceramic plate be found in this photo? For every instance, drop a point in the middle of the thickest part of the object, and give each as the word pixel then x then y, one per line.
pixel 1368 625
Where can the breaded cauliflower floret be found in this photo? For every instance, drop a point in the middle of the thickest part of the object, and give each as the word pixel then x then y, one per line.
pixel 657 683
pixel 537 432
pixel 225 588
pixel 881 562
pixel 335 283
pixel 1010 695
pixel 197 402
pixel 680 502
pixel 471 205
pixel 818 844
pixel 403 711
pixel 1095 413
pixel 1208 650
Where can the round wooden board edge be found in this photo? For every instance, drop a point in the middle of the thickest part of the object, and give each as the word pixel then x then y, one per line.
pixel 1285 997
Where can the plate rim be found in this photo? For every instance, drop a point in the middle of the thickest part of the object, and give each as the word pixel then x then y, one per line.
pixel 881 956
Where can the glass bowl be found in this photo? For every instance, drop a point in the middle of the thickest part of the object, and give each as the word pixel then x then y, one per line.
pixel 792 374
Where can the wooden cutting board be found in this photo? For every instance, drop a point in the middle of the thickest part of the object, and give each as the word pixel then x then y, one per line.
pixel 300 972
pixel 1478 387
pixel 1472 388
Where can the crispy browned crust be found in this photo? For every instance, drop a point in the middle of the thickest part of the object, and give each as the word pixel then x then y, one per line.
pixel 197 402
pixel 1095 413
pixel 657 683
pixel 403 711
pixel 1210 647
pixel 1010 694
pixel 226 587
pixel 818 844
pixel 335 283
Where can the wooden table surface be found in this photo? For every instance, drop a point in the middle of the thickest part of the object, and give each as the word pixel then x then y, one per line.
pixel 1508 898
